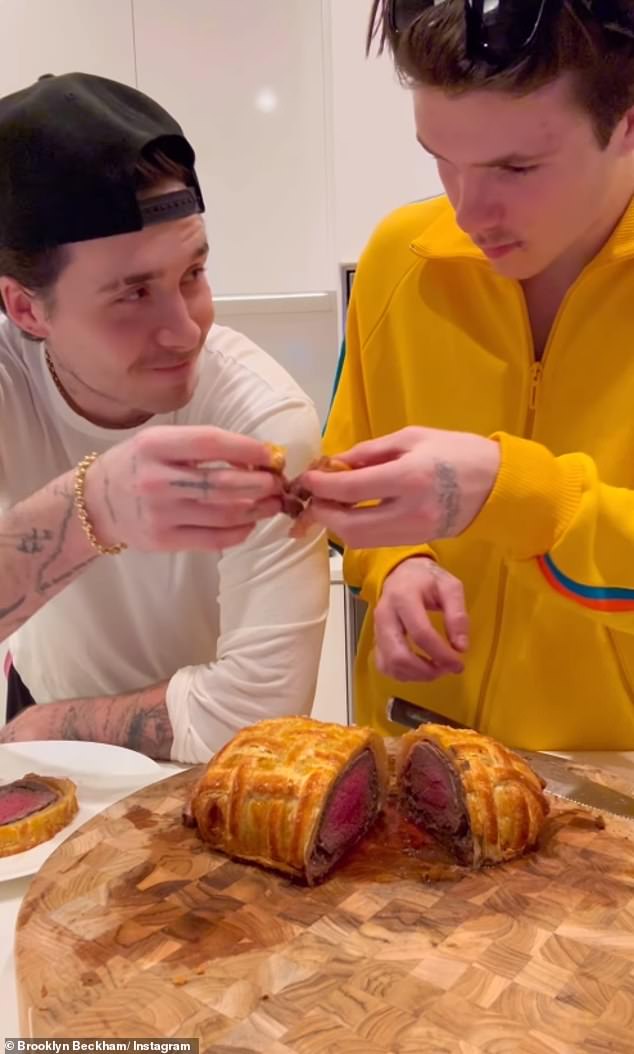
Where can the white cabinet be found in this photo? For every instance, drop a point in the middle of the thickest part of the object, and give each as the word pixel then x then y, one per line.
pixel 246 80
pixel 65 36
pixel 301 332
pixel 331 700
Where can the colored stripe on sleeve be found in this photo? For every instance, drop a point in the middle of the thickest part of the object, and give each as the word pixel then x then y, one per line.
pixel 598 598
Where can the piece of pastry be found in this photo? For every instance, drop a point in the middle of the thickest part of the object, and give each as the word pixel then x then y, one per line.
pixel 32 810
pixel 292 794
pixel 474 795
pixel 291 504
pixel 278 458
pixel 321 464
pixel 298 498
pixel 329 464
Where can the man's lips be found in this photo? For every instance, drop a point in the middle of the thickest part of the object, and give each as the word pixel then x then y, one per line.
pixel 494 252
pixel 170 367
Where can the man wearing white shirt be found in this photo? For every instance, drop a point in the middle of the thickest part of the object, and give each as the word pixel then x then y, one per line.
pixel 149 590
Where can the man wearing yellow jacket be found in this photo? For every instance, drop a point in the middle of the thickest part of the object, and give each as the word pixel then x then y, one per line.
pixel 499 322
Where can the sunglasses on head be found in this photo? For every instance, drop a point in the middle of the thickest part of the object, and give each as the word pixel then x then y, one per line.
pixel 499 31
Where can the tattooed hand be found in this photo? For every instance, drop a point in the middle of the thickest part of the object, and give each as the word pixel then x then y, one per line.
pixel 184 487
pixel 407 646
pixel 425 483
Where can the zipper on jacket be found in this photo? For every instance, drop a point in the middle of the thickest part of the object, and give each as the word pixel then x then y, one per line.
pixel 620 665
pixel 537 370
pixel 536 375
pixel 493 650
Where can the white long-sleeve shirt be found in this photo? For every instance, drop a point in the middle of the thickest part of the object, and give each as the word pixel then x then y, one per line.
pixel 237 634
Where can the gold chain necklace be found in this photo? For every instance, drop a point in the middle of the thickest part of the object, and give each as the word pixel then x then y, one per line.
pixel 66 397
pixel 53 373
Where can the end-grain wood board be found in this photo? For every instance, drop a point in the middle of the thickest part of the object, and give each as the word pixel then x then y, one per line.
pixel 133 928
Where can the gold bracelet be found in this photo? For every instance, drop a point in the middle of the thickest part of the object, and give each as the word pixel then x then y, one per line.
pixel 82 513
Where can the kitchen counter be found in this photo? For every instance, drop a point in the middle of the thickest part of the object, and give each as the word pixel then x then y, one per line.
pixel 12 892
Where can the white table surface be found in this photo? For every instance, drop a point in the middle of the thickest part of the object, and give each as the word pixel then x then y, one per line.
pixel 11 893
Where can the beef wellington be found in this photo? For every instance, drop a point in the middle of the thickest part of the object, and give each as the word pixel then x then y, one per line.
pixel 32 810
pixel 292 794
pixel 475 796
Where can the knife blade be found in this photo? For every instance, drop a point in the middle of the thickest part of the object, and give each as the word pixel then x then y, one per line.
pixel 560 780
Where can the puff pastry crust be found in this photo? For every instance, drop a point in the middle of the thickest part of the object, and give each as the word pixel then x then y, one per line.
pixel 278 457
pixel 499 797
pixel 39 826
pixel 264 795
pixel 330 464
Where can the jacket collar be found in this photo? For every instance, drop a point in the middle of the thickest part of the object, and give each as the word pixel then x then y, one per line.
pixel 444 240
pixel 620 245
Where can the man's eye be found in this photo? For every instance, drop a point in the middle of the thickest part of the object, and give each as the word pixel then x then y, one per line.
pixel 192 276
pixel 519 170
pixel 133 296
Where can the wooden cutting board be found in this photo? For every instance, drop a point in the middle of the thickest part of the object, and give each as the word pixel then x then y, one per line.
pixel 133 928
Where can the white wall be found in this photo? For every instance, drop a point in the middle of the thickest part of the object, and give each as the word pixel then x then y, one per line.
pixel 246 79
pixel 61 36
pixel 378 165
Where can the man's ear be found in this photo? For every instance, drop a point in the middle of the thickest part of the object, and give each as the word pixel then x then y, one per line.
pixel 25 309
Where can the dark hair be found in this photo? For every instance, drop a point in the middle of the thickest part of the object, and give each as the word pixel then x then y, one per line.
pixel 601 61
pixel 39 271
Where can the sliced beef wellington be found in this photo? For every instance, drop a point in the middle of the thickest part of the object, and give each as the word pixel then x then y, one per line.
pixel 292 794
pixel 32 810
pixel 474 795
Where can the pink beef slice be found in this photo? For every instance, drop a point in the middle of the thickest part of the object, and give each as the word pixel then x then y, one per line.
pixel 350 811
pixel 22 798
pixel 433 799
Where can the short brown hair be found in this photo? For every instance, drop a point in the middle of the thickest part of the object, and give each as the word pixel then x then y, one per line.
pixel 39 271
pixel 601 61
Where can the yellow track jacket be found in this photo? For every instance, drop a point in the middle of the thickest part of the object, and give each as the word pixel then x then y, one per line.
pixel 436 338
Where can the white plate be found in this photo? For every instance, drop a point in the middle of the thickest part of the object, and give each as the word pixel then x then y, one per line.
pixel 103 774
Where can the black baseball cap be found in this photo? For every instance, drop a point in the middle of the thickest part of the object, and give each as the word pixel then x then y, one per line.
pixel 69 146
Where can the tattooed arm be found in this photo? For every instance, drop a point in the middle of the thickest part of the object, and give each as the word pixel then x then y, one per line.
pixel 138 720
pixel 42 549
